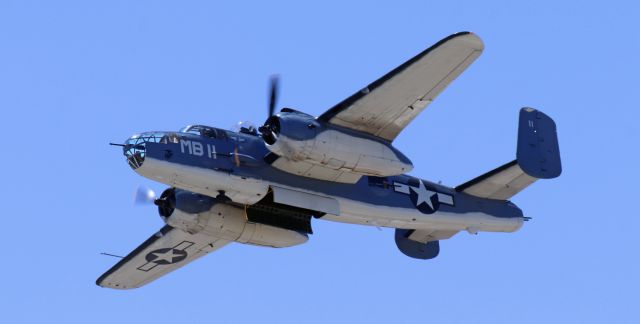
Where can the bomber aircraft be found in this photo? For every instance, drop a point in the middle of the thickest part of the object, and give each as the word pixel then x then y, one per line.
pixel 263 186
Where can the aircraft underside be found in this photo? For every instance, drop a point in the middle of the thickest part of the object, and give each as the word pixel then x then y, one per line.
pixel 374 212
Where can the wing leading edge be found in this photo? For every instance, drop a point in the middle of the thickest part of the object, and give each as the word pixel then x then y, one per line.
pixel 165 251
pixel 389 104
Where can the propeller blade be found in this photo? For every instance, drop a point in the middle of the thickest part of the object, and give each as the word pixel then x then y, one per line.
pixel 144 196
pixel 273 95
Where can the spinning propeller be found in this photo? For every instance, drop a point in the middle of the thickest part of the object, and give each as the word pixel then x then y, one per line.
pixel 166 203
pixel 271 128
pixel 144 195
pixel 273 94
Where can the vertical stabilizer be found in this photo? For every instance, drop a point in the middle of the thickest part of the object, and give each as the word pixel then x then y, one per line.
pixel 538 152
pixel 538 157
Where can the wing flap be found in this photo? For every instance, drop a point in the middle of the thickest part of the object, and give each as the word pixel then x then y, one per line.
pixel 165 251
pixel 389 104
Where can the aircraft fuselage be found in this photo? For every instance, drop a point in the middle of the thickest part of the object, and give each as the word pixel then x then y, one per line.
pixel 235 167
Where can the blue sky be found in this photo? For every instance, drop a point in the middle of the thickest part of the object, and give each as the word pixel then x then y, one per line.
pixel 77 75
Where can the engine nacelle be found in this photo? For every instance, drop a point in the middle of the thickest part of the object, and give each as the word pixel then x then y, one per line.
pixel 300 137
pixel 195 213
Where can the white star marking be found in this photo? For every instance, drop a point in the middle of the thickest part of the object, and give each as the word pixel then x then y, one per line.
pixel 167 256
pixel 424 195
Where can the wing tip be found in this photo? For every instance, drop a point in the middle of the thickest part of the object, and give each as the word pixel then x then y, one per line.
pixel 471 38
pixel 101 283
pixel 100 280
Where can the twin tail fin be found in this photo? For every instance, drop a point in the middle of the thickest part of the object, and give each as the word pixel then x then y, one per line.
pixel 537 157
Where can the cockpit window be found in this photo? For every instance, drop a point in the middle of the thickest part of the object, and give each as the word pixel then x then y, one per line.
pixel 246 127
pixel 221 134
pixel 204 131
pixel 170 138
pixel 191 129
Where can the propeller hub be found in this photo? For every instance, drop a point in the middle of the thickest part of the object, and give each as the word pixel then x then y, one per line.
pixel 166 203
pixel 270 129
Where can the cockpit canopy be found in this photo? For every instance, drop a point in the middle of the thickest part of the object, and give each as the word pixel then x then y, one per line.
pixel 204 131
pixel 246 127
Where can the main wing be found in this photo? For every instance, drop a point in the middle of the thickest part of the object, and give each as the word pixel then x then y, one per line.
pixel 386 106
pixel 165 251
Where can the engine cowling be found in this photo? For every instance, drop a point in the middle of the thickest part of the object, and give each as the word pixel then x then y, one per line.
pixel 195 213
pixel 300 137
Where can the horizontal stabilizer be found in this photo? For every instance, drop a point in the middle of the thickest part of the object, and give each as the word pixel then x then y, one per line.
pixel 501 183
pixel 538 157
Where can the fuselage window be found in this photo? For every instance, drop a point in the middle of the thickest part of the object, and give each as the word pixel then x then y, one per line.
pixel 381 182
